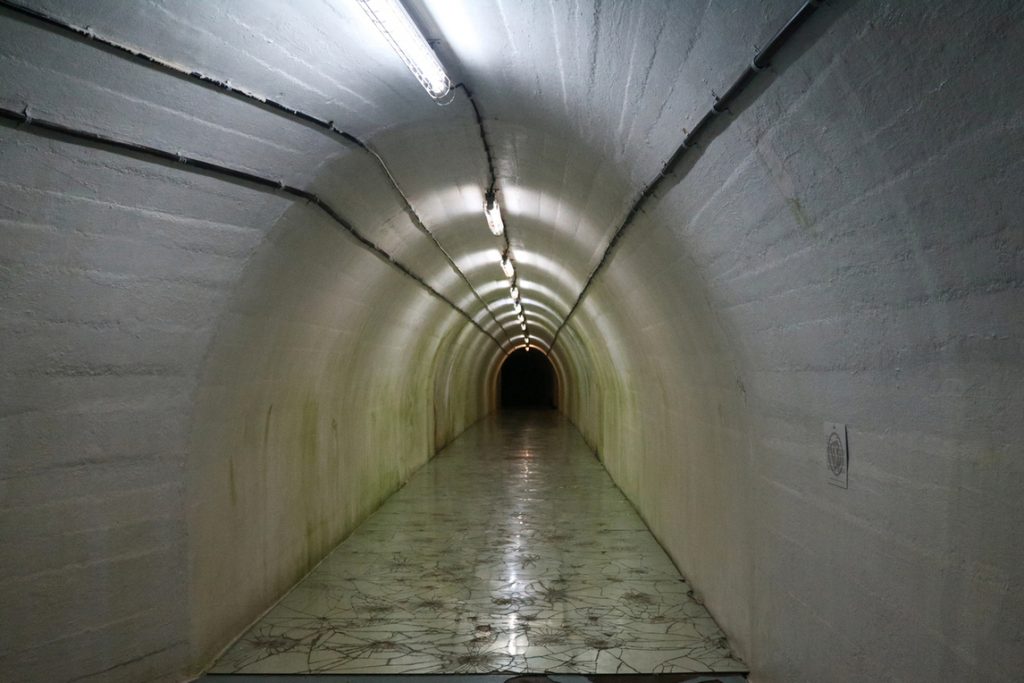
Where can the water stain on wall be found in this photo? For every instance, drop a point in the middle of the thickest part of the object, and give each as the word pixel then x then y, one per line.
pixel 317 536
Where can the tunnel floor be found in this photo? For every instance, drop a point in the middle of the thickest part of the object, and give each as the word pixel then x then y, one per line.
pixel 511 551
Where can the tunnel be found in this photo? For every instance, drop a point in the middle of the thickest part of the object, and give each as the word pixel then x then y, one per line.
pixel 527 381
pixel 257 277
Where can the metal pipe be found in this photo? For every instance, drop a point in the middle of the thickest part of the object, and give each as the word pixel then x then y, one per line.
pixel 493 184
pixel 763 58
pixel 26 121
pixel 760 61
pixel 483 137
pixel 251 98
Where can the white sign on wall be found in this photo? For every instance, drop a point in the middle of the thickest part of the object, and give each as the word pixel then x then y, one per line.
pixel 837 456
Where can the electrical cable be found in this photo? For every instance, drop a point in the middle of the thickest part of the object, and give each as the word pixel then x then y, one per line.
pixel 225 87
pixel 26 121
pixel 493 178
pixel 761 60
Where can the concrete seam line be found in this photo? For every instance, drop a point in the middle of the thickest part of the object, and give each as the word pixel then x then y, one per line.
pixel 25 121
pixel 224 87
pixel 761 60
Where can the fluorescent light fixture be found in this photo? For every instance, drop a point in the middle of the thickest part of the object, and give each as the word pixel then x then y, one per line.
pixel 493 214
pixel 521 319
pixel 518 307
pixel 522 324
pixel 508 268
pixel 514 291
pixel 395 24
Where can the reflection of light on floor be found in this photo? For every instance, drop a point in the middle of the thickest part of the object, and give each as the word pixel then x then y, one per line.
pixel 512 635
pixel 473 567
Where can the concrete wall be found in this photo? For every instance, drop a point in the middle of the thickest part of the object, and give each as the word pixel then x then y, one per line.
pixel 206 386
pixel 849 250
pixel 314 406
pixel 167 475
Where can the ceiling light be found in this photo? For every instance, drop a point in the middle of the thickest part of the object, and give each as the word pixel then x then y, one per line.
pixel 395 24
pixel 508 268
pixel 493 214
pixel 514 291
pixel 517 306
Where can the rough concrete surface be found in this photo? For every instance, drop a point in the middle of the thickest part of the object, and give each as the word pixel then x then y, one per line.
pixel 207 385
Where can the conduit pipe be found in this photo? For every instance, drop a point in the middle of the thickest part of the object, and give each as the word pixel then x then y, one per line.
pixel 483 136
pixel 43 127
pixel 761 60
pixel 493 183
pixel 272 106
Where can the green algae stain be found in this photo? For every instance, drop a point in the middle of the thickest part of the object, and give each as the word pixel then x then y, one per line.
pixel 316 541
pixel 309 437
pixel 231 482
pixel 308 431
pixel 799 214
pixel 334 462
pixel 266 425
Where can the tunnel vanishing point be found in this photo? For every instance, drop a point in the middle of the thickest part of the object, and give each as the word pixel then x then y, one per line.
pixel 253 276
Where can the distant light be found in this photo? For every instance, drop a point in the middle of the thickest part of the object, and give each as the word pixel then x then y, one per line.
pixel 508 268
pixel 395 24
pixel 518 307
pixel 493 213
pixel 514 291
pixel 522 324
pixel 521 319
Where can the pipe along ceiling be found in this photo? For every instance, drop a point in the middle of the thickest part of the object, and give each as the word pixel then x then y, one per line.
pixel 256 272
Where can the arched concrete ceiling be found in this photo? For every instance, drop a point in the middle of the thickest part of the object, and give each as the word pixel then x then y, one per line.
pixel 558 85
pixel 197 363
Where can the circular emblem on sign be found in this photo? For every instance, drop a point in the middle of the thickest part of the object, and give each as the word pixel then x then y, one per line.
pixel 835 454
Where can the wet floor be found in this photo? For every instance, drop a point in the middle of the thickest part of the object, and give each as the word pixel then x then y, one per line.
pixel 511 551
